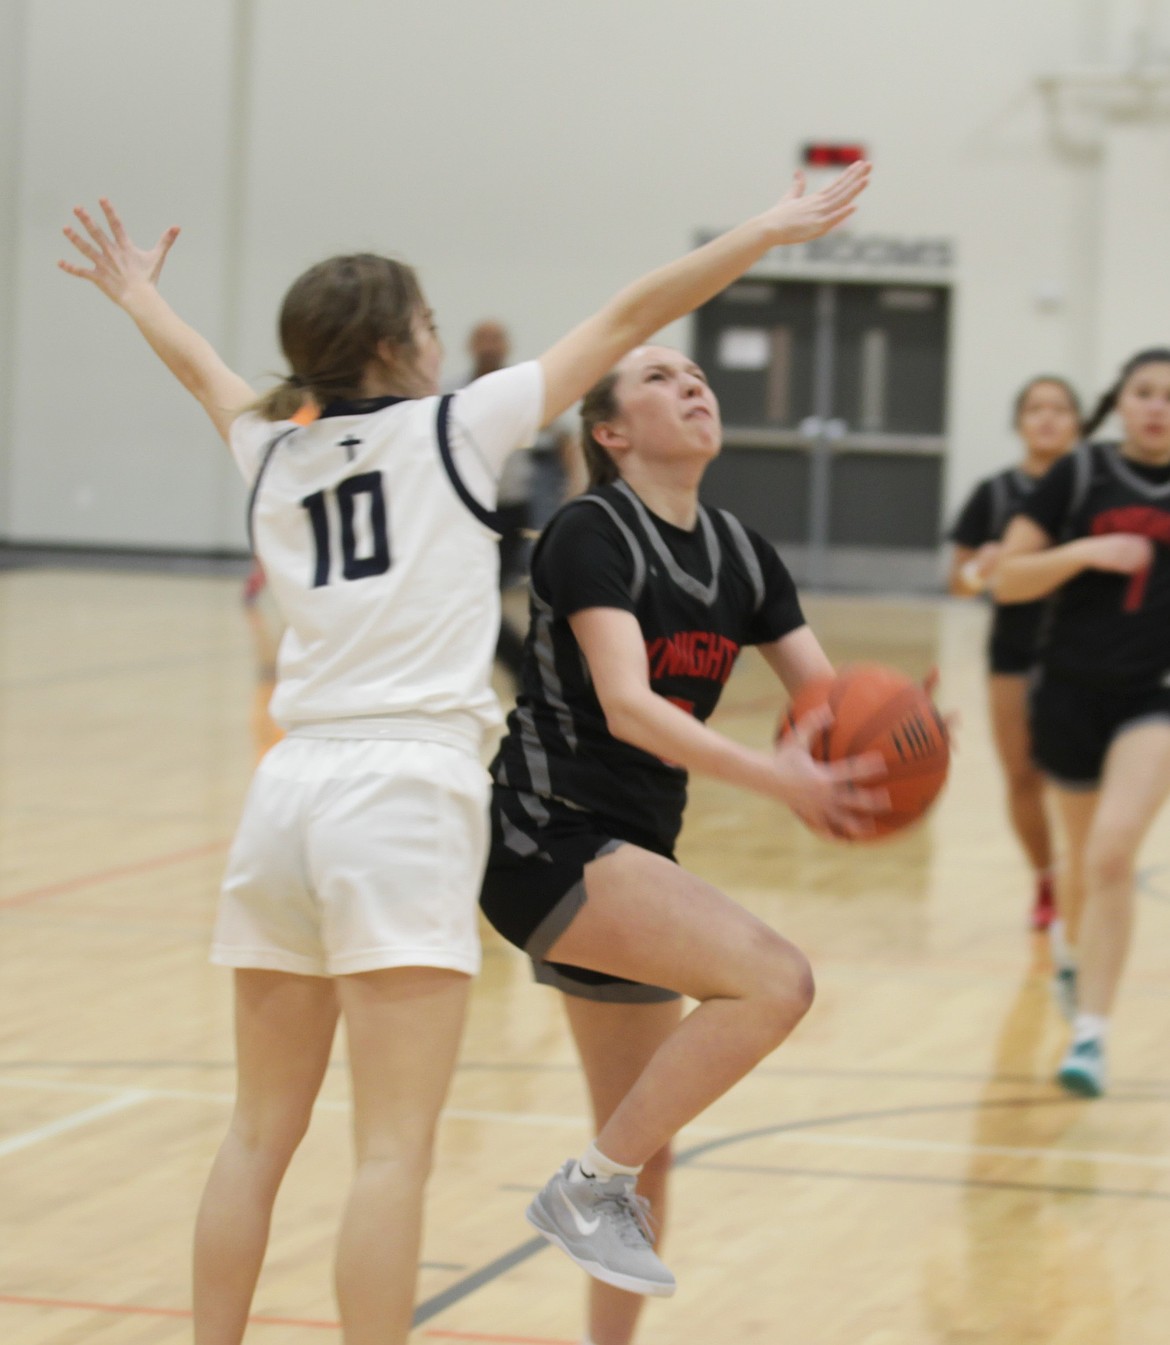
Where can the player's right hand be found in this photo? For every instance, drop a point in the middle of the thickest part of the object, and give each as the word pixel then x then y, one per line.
pixel 827 796
pixel 119 264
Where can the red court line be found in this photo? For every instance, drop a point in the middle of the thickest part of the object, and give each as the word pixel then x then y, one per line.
pixel 133 1310
pixel 130 1310
pixel 498 1340
pixel 94 879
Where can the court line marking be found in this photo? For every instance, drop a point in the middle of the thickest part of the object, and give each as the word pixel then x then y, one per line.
pixel 185 1314
pixel 120 1102
pixel 108 875
pixel 719 1133
pixel 916 1179
pixel 524 1251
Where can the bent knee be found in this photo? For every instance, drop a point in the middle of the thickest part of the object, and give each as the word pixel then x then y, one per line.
pixel 783 982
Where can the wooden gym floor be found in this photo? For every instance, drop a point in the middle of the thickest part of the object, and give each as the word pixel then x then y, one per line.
pixel 901 1173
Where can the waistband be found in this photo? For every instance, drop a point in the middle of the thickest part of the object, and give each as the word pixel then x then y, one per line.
pixel 455 729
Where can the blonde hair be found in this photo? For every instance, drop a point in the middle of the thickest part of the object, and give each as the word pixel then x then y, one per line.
pixel 331 323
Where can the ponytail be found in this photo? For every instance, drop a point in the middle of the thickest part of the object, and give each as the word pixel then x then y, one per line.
pixel 599 404
pixel 1107 403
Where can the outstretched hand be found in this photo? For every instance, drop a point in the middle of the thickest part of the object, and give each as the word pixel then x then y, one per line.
pixel 119 264
pixel 798 218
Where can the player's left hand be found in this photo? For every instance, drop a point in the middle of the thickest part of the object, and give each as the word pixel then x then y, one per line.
pixel 798 218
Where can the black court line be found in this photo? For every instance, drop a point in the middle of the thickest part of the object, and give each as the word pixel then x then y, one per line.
pixel 902 1179
pixel 462 1289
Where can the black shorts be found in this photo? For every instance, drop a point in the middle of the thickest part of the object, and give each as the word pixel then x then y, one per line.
pixel 1008 659
pixel 535 885
pixel 1073 725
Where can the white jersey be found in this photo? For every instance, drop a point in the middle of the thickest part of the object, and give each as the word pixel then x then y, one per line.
pixel 379 554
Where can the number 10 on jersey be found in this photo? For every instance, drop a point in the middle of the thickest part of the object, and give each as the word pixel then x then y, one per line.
pixel 347 494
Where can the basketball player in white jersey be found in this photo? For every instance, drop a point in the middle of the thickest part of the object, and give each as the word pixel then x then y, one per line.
pixel 352 883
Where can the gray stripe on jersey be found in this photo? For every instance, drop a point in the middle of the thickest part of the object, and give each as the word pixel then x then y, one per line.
pixel 529 802
pixel 1000 505
pixel 534 754
pixel 705 593
pixel 542 645
pixel 747 555
pixel 639 580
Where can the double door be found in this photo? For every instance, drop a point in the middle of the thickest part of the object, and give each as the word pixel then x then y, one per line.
pixel 833 396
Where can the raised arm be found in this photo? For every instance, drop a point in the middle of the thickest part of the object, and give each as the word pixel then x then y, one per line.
pixel 578 360
pixel 1030 567
pixel 827 797
pixel 128 275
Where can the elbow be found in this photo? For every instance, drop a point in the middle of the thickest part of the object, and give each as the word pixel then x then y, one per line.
pixel 624 722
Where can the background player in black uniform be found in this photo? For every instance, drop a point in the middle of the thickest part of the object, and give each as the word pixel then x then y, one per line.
pixel 1096 531
pixel 641 600
pixel 1047 417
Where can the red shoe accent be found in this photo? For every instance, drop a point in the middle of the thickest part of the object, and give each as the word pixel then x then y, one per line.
pixel 1044 908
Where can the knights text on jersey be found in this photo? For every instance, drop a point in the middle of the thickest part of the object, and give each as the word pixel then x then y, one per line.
pixel 995 501
pixel 376 553
pixel 699 596
pixel 1108 629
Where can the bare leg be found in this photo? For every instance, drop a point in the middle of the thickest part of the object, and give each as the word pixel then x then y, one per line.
pixel 404 1027
pixel 1134 786
pixel 1076 808
pixel 1008 698
pixel 284 1031
pixel 616 1042
pixel 648 920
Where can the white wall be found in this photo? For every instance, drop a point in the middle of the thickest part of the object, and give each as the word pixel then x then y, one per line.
pixel 529 156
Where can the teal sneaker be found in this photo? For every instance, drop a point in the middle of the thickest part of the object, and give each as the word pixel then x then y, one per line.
pixel 1083 1069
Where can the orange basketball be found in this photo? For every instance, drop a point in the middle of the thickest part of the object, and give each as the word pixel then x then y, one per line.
pixel 878 709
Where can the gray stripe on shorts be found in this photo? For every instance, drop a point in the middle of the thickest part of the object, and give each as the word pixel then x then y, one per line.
pixel 516 840
pixel 621 993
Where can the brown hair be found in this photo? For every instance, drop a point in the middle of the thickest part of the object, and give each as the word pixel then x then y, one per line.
pixel 1108 399
pixel 1038 382
pixel 331 322
pixel 600 403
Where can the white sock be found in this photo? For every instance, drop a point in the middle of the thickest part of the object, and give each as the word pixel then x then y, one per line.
pixel 1063 953
pixel 593 1163
pixel 1090 1027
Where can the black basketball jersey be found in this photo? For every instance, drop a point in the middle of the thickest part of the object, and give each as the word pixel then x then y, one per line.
pixel 1015 627
pixel 698 596
pixel 1108 630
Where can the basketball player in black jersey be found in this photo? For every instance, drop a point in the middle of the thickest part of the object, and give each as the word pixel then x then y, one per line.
pixel 641 601
pixel 1047 417
pixel 1096 533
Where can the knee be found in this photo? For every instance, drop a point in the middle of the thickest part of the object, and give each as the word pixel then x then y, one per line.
pixel 783 985
pixel 1109 862
pixel 270 1138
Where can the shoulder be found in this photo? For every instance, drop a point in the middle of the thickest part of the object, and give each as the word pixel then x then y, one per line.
pixel 249 438
pixel 519 387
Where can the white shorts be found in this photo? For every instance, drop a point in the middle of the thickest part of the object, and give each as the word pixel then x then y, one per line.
pixel 354 855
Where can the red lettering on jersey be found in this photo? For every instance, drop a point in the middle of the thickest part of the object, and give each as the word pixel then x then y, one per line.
pixel 692 653
pixel 1144 521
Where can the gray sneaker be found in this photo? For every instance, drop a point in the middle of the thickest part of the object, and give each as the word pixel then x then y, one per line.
pixel 1064 992
pixel 605 1228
